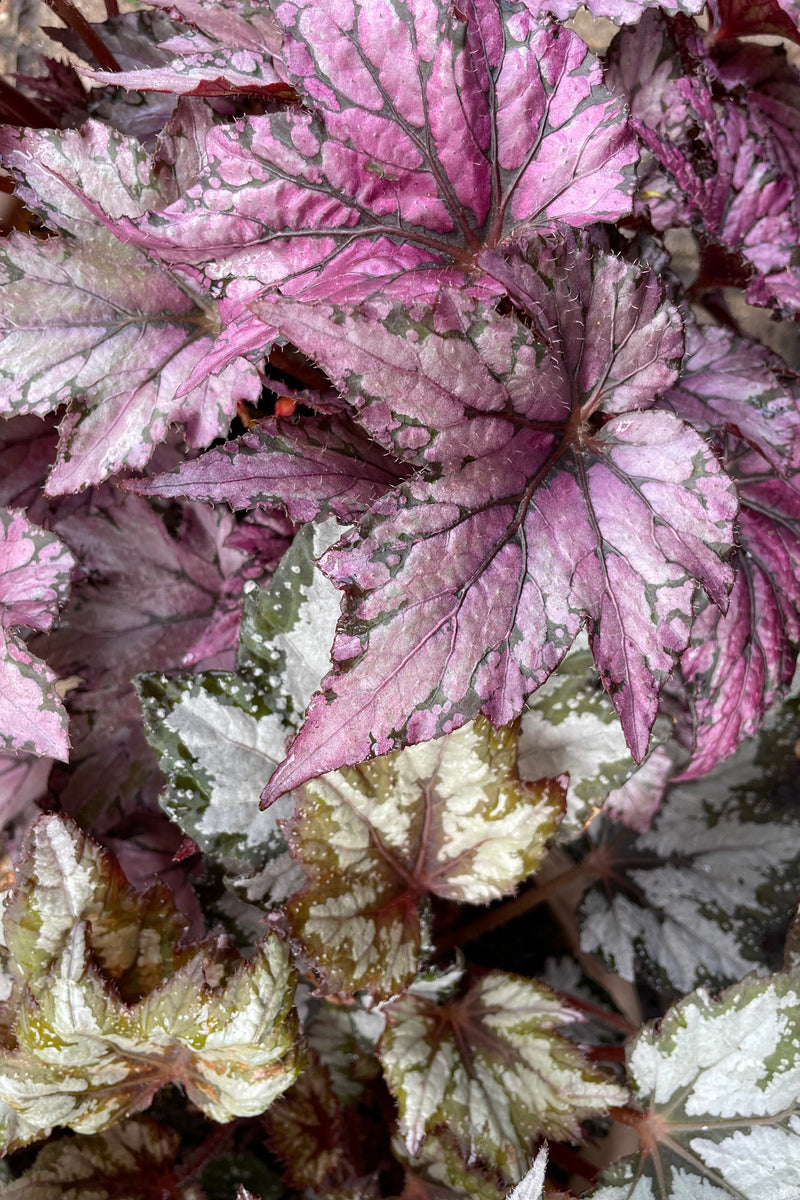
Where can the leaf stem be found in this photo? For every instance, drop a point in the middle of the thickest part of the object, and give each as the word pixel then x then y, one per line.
pixel 76 21
pixel 512 909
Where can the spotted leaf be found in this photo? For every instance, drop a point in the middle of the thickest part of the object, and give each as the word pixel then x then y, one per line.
pixel 35 569
pixel 72 312
pixel 703 895
pixel 438 131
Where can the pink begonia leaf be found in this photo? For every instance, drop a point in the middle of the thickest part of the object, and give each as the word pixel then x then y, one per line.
pixel 622 12
pixel 94 323
pixel 54 168
pixel 444 134
pixel 738 664
pixel 730 382
pixel 546 500
pixel 321 466
pixel 742 18
pixel 35 569
pixel 718 172
pixel 246 24
pixel 202 68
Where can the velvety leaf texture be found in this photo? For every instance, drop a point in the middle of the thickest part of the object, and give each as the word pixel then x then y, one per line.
pixel 697 898
pixel 450 818
pixel 492 1068
pixel 72 310
pixel 35 569
pixel 79 1054
pixel 439 131
pixel 718 1082
pixel 547 496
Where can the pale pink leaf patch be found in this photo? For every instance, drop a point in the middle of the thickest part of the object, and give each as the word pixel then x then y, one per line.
pixel 35 568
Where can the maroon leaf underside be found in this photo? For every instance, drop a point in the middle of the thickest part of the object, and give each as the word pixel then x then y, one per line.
pixel 431 138
pixel 466 587
pixel 743 18
pixel 321 466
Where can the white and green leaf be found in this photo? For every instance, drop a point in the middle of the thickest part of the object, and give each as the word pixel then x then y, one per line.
pixel 449 817
pixel 491 1069
pixel 700 897
pixel 719 1085
pixel 82 1054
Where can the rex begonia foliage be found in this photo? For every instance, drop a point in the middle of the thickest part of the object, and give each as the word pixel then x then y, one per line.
pixel 400 599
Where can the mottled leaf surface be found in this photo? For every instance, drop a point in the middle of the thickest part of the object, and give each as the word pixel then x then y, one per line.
pixel 35 569
pixel 718 1083
pixel 134 1156
pixel 319 467
pixel 492 1069
pixel 55 169
pixel 733 383
pixel 219 735
pixel 528 518
pixel 82 1056
pixel 75 309
pixel 217 740
pixel 702 895
pixel 442 131
pixel 202 68
pixel 449 817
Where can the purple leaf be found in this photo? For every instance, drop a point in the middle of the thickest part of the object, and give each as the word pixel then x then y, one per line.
pixel 56 168
pixel 245 24
pixel 35 569
pixel 623 12
pixel 718 173
pixel 322 466
pixel 444 134
pixel 202 68
pixel 738 664
pixel 546 499
pixel 729 382
pixel 73 311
